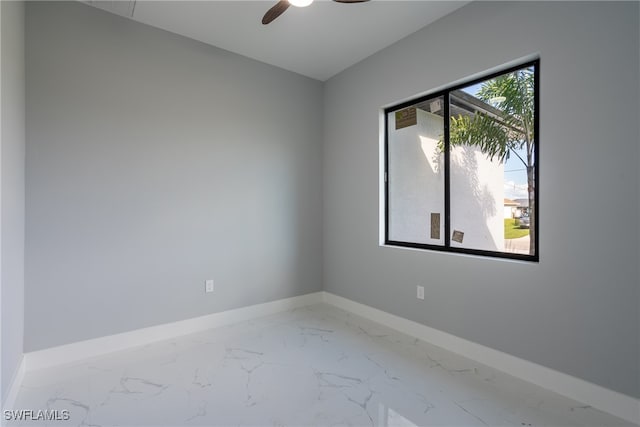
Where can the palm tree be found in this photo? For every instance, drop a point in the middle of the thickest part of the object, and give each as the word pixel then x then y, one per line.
pixel 505 130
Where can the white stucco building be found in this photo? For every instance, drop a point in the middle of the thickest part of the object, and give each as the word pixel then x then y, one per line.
pixel 416 186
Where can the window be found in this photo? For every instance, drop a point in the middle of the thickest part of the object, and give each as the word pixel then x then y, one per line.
pixel 461 167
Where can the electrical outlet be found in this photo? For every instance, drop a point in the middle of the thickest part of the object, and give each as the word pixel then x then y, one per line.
pixel 208 285
pixel 420 292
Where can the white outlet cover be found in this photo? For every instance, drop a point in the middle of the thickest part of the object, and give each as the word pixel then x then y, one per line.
pixel 208 285
pixel 420 292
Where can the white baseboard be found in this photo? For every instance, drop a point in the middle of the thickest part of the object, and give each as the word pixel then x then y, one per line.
pixel 612 402
pixel 16 381
pixel 77 351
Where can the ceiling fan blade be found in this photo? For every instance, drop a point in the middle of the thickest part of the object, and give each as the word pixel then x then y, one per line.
pixel 275 11
pixel 350 1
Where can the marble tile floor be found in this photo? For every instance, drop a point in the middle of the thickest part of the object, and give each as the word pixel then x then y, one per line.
pixel 312 366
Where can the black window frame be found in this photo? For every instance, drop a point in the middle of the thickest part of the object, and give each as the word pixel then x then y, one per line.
pixel 446 247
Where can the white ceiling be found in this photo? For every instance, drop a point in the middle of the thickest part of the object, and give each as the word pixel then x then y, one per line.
pixel 318 41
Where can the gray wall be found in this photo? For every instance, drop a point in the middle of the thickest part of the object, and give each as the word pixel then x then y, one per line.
pixel 12 149
pixel 577 310
pixel 155 162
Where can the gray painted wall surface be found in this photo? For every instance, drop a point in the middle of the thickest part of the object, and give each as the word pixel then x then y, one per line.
pixel 155 162
pixel 12 169
pixel 577 310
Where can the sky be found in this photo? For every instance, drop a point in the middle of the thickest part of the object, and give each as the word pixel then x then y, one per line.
pixel 515 178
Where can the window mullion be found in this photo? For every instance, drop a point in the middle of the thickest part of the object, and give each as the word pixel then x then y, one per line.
pixel 447 182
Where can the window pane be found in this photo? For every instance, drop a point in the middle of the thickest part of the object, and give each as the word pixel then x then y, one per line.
pixel 416 173
pixel 492 164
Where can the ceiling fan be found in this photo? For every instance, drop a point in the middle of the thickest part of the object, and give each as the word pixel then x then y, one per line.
pixel 283 5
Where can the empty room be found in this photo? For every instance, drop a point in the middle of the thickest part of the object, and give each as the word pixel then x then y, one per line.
pixel 320 213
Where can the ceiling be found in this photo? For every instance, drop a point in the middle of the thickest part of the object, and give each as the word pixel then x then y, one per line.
pixel 318 41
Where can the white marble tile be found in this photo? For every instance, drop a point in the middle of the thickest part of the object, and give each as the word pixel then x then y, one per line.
pixel 315 366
